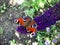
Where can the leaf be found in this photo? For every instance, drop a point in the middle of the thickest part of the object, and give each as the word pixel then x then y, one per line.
pixel 53 27
pixel 4 8
pixel 58 0
pixel 26 12
pixel 30 12
pixel 39 38
pixel 2 11
pixel 1 30
pixel 14 40
pixel 36 8
pixel 4 5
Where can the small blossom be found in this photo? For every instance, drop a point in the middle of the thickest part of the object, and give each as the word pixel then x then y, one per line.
pixel 16 2
pixel 28 35
pixel 58 35
pixel 17 34
pixel 47 29
pixel 31 35
pixel 34 43
pixel 47 42
pixel 54 40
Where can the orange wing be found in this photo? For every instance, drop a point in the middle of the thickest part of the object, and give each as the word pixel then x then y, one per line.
pixel 31 29
pixel 21 21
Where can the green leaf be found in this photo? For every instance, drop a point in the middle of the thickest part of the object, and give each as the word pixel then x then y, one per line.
pixel 36 8
pixel 4 8
pixel 30 12
pixel 2 11
pixel 1 30
pixel 4 5
pixel 53 27
pixel 58 0
pixel 14 40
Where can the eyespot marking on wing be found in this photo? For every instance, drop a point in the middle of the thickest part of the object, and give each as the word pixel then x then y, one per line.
pixel 34 25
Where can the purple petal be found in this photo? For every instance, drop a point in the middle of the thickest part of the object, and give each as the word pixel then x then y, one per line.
pixel 21 29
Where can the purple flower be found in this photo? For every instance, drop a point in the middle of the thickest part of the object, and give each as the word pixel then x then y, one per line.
pixel 48 18
pixel 58 35
pixel 54 40
pixel 22 30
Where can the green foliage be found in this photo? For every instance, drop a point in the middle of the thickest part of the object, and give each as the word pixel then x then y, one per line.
pixel 53 27
pixel 40 37
pixel 1 30
pixel 52 2
pixel 58 25
pixel 30 12
pixel 3 8
pixel 54 31
pixel 31 6
pixel 12 41
pixel 36 4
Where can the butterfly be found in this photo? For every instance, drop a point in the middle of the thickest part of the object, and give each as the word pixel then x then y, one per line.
pixel 28 23
pixel 39 22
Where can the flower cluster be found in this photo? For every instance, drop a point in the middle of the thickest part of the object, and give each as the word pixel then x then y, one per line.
pixel 48 18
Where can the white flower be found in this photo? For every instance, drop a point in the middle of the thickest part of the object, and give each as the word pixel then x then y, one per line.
pixel 17 34
pixel 47 29
pixel 14 2
pixel 31 35
pixel 47 42
pixel 34 43
pixel 41 10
